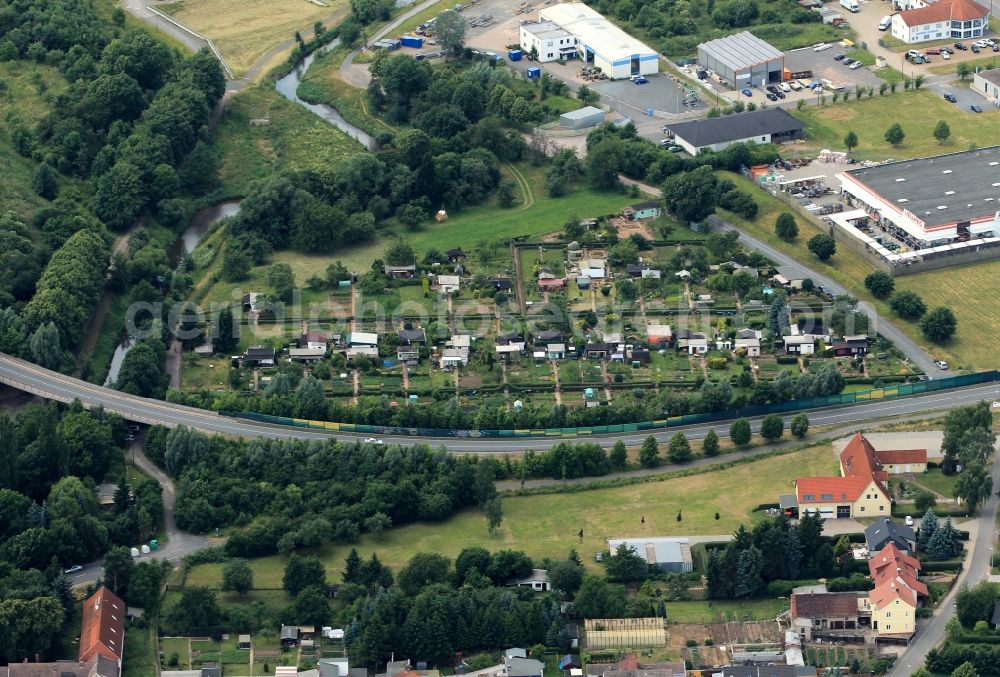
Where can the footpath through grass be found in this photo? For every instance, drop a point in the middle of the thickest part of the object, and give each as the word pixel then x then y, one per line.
pixel 917 112
pixel 546 525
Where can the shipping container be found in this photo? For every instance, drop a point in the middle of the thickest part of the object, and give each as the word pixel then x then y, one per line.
pixel 514 55
pixel 411 41
pixel 534 72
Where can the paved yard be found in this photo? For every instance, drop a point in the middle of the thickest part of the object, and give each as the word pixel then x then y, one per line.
pixel 823 66
pixel 966 96
pixel 661 93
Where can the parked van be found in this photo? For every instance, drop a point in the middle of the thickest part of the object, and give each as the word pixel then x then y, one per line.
pixel 884 24
pixel 850 5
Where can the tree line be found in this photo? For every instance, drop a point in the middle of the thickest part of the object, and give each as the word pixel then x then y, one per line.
pixel 292 494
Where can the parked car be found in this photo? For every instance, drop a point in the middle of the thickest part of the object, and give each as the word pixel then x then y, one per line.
pixel 933 50
pixel 950 98
pixel 795 86
pixel 779 94
pixel 839 56
pixel 942 365
pixel 961 46
pixel 786 87
pixel 641 81
pixel 746 92
pixel 73 569
pixel 975 108
pixel 913 53
pixel 975 50
pixel 908 520
pixel 946 55
pixel 771 97
pixel 996 48
pixel 856 65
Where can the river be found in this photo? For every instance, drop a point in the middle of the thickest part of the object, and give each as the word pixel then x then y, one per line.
pixel 288 87
pixel 198 227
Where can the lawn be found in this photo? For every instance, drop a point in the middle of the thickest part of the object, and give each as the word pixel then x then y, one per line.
pixel 935 480
pixel 981 63
pixel 244 31
pixel 971 292
pixel 917 112
pixel 697 611
pixel 546 525
pixel 294 140
pixel 140 658
pixel 179 646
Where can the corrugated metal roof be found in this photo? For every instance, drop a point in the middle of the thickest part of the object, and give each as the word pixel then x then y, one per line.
pixel 741 51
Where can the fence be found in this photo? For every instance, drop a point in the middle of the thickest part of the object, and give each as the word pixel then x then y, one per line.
pixel 889 392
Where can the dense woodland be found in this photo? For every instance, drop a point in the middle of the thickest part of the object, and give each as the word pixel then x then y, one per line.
pixel 300 494
pixel 51 459
pixel 127 137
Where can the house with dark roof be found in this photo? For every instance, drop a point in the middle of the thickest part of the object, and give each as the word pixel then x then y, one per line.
pixel 258 356
pixel 851 346
pixel 98 666
pixel 819 612
pixel 771 125
pixel 399 271
pixel 412 337
pixel 501 283
pixel 885 531
pixel 103 628
pixel 455 255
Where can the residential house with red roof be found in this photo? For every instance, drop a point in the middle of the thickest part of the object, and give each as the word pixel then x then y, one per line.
pixel 924 20
pixel 103 629
pixel 860 491
pixel 897 592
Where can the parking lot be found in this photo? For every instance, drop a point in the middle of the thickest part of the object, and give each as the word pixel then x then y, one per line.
pixel 964 96
pixel 823 66
pixel 661 93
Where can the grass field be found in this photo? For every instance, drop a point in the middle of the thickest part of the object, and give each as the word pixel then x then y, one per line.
pixel 849 269
pixel 31 89
pixel 917 112
pixel 295 139
pixel 545 525
pixel 244 31
pixel 140 658
pixel 697 611
pixel 971 292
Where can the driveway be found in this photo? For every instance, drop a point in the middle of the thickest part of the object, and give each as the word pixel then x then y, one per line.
pixel 175 545
pixel 982 536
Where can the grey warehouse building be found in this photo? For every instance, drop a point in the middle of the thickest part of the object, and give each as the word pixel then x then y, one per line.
pixel 588 116
pixel 771 125
pixel 666 554
pixel 742 60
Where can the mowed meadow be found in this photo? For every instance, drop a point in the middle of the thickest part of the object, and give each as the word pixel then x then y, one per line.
pixel 548 525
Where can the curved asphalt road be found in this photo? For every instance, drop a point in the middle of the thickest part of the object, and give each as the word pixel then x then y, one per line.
pixel 31 378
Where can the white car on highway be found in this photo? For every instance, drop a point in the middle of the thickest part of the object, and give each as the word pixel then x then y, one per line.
pixel 374 440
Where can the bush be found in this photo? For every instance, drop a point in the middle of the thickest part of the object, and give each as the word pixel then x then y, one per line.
pixel 691 642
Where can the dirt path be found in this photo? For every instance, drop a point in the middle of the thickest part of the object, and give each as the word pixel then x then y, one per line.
pixel 555 376
pixel 607 380
pixel 406 378
pixel 95 324
pixel 357 384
